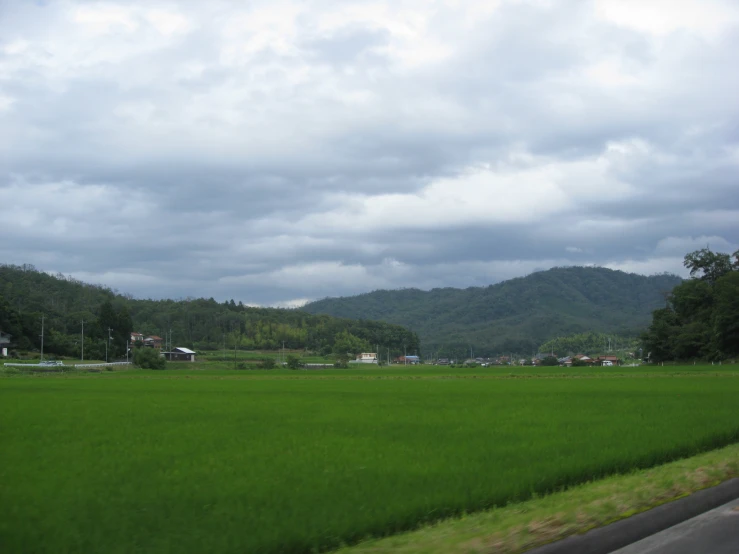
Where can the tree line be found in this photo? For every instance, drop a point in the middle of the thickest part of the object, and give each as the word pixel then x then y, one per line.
pixel 701 318
pixel 27 294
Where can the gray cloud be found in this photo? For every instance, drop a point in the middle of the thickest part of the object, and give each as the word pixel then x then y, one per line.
pixel 281 152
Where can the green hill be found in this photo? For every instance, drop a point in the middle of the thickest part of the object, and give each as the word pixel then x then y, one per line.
pixel 516 315
pixel 27 294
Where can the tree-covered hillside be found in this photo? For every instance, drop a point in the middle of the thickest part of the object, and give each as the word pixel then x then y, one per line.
pixel 516 315
pixel 27 294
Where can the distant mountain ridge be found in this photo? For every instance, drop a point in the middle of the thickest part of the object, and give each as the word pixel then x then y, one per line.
pixel 515 315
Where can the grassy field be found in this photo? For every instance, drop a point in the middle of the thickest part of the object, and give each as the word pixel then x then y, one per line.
pixel 217 460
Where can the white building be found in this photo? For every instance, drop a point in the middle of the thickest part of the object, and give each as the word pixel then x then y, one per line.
pixel 367 358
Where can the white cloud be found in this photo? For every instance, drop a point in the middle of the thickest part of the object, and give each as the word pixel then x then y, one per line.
pixel 661 17
pixel 683 245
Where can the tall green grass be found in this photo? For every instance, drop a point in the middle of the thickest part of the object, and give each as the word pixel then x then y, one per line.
pixel 122 465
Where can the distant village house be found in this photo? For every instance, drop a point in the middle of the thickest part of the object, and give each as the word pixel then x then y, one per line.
pixel 153 341
pixel 179 354
pixel 5 343
pixel 408 360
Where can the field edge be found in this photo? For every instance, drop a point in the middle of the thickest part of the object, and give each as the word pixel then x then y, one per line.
pixel 521 526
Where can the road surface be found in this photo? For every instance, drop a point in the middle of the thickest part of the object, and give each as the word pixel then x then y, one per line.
pixel 714 532
pixel 705 522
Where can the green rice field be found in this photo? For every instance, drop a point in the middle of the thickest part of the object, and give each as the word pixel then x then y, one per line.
pixel 191 461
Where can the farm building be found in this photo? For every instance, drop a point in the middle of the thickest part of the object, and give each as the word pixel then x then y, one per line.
pixel 153 341
pixel 179 354
pixel 606 360
pixel 366 358
pixel 5 343
pixel 408 360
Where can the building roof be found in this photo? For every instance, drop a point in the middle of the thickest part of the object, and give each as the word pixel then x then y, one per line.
pixel 183 350
pixel 154 337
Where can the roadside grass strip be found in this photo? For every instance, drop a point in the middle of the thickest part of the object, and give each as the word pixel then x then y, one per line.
pixel 521 526
pixel 117 464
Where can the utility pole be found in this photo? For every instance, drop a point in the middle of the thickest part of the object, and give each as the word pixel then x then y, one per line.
pixel 405 355
pixel 42 338
pixel 107 344
pixel 82 355
pixel 388 357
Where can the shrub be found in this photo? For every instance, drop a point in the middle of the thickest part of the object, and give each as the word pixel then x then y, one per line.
pixel 268 363
pixel 148 358
pixel 293 362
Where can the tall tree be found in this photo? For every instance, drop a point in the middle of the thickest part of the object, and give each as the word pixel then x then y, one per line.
pixel 702 319
pixel 726 314
pixel 707 265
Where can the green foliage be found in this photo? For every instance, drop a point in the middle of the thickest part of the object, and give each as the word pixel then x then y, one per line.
pixel 268 363
pixel 707 265
pixel 347 344
pixel 293 362
pixel 215 465
pixel 702 318
pixel 148 358
pixel 512 316
pixel 726 314
pixel 549 361
pixel 201 324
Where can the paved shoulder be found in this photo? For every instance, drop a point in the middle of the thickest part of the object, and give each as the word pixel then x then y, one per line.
pixel 610 538
pixel 716 531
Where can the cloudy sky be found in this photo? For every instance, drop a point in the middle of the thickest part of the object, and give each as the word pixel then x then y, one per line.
pixel 276 151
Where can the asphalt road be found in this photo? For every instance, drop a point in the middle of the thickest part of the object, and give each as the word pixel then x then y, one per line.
pixel 706 522
pixel 714 532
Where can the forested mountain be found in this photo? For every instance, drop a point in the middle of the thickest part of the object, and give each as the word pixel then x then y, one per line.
pixel 27 294
pixel 516 315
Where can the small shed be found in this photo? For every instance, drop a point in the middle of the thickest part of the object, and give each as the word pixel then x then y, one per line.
pixel 180 354
pixel 5 343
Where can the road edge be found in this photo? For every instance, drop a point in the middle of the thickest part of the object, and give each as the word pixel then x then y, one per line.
pixel 603 540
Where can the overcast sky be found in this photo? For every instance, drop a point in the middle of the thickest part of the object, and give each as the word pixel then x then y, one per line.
pixel 276 151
